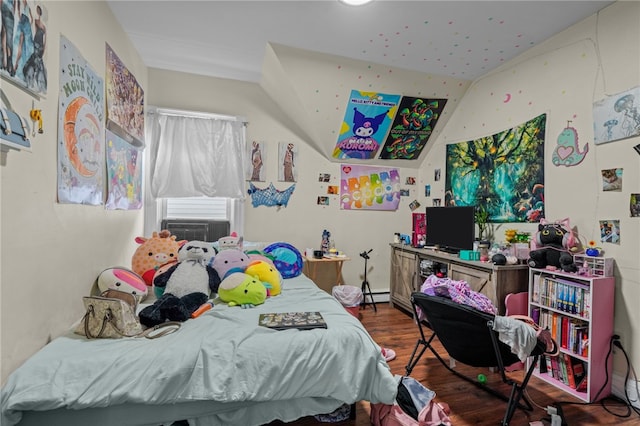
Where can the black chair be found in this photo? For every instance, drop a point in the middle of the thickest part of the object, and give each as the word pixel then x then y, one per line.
pixel 468 336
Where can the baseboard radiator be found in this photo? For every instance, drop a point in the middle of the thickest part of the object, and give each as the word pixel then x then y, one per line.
pixel 200 230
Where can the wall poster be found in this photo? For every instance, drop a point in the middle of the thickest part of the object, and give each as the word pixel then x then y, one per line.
pixel 617 117
pixel 366 121
pixel 256 156
pixel 23 44
pixel 503 172
pixel 80 129
pixel 369 188
pixel 412 127
pixel 288 156
pixel 124 174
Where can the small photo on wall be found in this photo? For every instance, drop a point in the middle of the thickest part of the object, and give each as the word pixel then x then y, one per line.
pixel 610 231
pixel 634 204
pixel 324 177
pixel 288 157
pixel 332 189
pixel 436 175
pixel 256 157
pixel 436 202
pixel 323 201
pixel 414 205
pixel 410 180
pixel 427 190
pixel 612 180
pixel 404 192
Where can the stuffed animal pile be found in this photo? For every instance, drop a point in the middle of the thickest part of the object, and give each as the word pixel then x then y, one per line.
pixel 184 286
pixel 554 241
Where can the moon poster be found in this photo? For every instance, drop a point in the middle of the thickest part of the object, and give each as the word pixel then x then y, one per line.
pixel 412 128
pixel 80 129
pixel 365 125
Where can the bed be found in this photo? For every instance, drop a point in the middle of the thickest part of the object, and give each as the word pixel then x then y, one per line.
pixel 221 368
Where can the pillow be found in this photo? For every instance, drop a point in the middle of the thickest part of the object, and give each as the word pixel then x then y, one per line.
pixel 286 258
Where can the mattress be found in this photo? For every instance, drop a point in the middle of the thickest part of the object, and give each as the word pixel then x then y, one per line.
pixel 220 368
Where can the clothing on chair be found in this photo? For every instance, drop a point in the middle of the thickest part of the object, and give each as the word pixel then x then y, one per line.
pixel 518 335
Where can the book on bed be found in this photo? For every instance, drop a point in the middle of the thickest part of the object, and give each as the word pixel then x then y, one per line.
pixel 287 320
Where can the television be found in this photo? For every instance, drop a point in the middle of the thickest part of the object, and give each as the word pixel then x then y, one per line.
pixel 450 229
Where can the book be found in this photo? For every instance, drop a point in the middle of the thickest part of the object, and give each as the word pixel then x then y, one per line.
pixel 292 320
pixel 571 377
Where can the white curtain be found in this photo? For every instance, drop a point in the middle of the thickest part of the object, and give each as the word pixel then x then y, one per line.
pixel 196 154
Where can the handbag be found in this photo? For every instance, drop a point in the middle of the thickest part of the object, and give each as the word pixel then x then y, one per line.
pixel 13 128
pixel 113 315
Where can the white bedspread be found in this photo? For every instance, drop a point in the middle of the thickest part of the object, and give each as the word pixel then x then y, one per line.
pixel 223 359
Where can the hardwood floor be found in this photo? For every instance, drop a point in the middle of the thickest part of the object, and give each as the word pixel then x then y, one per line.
pixel 469 405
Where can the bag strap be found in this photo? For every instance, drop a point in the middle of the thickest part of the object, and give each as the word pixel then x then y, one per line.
pixel 92 312
pixel 165 328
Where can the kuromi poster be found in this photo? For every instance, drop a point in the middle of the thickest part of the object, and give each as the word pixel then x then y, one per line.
pixel 366 123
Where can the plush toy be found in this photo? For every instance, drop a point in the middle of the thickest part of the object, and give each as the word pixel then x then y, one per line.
pixel 184 287
pixel 230 242
pixel 554 242
pixel 123 279
pixel 229 261
pixel 154 252
pixel 267 274
pixel 240 289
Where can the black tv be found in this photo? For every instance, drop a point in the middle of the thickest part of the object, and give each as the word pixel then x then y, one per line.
pixel 450 229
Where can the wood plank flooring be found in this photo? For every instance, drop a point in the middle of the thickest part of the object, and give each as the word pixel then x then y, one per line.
pixel 395 329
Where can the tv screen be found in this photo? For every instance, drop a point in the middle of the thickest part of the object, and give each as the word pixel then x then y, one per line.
pixel 451 229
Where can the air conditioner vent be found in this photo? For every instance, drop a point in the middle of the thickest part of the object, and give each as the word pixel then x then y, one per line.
pixel 200 230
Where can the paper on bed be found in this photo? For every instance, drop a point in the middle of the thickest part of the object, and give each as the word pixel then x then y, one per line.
pixel 223 356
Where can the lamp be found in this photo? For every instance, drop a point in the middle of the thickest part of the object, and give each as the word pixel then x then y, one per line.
pixel 355 2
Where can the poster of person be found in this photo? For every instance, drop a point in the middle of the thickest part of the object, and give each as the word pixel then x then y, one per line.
pixel 256 155
pixel 412 127
pixel 24 44
pixel 125 101
pixel 617 117
pixel 610 231
pixel 124 174
pixel 80 129
pixel 366 122
pixel 369 188
pixel 634 205
pixel 288 157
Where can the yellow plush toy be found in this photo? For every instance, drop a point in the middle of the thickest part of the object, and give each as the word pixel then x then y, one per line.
pixel 266 273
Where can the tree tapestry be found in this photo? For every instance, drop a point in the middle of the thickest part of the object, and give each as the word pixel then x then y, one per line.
pixel 504 173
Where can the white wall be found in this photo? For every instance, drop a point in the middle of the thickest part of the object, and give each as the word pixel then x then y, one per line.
pixel 563 77
pixel 52 253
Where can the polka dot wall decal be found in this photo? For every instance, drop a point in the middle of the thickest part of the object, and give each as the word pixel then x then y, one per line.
pixel 339 66
pixel 507 98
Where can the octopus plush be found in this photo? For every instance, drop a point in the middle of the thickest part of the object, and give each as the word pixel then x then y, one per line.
pixel 185 286
pixel 240 289
pixel 267 274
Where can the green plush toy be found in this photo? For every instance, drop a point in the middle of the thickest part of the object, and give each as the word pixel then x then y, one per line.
pixel 240 289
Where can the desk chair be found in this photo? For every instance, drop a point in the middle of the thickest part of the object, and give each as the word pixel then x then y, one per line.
pixel 468 336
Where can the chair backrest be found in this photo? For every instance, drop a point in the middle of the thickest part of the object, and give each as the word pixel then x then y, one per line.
pixel 464 332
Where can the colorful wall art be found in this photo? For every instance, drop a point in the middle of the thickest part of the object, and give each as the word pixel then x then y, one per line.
pixel 369 188
pixel 504 173
pixel 366 121
pixel 617 117
pixel 124 174
pixel 80 129
pixel 412 127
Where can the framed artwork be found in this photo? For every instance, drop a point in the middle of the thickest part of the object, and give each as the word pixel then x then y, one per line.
pixel 504 173
pixel 617 117
pixel 256 156
pixel 287 156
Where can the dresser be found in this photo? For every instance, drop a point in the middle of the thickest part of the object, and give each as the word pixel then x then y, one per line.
pixel 411 266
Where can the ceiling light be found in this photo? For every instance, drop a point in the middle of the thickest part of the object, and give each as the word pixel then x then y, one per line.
pixel 355 2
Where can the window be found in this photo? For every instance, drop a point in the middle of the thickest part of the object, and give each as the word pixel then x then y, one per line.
pixel 197 208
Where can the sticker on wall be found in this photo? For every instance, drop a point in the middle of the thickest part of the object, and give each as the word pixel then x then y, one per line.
pixel 568 153
pixel 366 121
pixel 269 196
pixel 412 127
pixel 369 188
pixel 612 180
pixel 287 155
pixel 81 157
pixel 617 117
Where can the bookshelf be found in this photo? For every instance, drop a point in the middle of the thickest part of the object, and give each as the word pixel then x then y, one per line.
pixel 579 312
